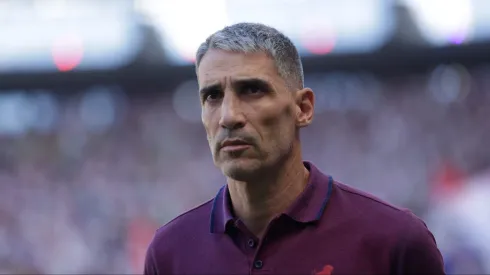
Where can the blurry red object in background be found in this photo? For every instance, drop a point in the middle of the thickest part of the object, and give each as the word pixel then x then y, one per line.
pixel 140 233
pixel 448 181
pixel 67 52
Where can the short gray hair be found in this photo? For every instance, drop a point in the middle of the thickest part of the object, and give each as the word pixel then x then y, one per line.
pixel 255 37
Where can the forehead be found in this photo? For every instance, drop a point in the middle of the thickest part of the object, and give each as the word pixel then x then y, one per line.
pixel 218 65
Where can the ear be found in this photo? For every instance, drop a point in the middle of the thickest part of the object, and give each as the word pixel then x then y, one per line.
pixel 305 107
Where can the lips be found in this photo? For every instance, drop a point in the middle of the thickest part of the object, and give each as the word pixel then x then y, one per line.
pixel 233 142
pixel 234 145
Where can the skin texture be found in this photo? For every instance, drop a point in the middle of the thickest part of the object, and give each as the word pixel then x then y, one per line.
pixel 244 98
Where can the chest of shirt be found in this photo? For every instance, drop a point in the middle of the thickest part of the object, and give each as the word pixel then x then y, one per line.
pixel 295 253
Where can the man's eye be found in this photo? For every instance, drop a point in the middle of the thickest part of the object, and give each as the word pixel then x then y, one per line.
pixel 212 96
pixel 252 89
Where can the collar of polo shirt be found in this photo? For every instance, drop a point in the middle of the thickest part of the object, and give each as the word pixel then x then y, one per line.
pixel 308 207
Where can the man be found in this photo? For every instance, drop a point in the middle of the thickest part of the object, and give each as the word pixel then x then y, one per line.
pixel 278 214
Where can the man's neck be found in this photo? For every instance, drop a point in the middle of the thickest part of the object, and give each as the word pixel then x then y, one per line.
pixel 257 203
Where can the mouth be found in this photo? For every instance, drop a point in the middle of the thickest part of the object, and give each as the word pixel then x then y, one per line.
pixel 234 145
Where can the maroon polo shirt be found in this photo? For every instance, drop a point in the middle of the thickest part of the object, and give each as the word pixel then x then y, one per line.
pixel 330 229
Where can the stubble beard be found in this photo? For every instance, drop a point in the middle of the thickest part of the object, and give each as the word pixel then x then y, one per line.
pixel 247 169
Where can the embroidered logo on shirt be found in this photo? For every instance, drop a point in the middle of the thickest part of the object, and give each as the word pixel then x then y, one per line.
pixel 327 270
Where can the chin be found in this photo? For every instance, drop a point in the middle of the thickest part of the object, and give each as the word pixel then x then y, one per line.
pixel 242 169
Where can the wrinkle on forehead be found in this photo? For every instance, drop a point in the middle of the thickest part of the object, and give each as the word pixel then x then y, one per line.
pixel 218 66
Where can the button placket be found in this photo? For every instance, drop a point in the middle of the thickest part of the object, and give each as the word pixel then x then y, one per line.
pixel 251 243
pixel 258 264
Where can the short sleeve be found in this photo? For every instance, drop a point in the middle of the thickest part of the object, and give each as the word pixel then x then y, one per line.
pixel 419 253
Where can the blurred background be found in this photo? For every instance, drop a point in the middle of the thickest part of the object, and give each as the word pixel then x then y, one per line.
pixel 100 134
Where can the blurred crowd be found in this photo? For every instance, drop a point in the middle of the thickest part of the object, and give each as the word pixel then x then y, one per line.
pixel 74 200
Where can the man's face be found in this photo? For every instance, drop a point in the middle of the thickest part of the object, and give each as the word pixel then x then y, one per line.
pixel 249 114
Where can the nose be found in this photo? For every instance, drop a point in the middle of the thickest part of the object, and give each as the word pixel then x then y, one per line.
pixel 231 114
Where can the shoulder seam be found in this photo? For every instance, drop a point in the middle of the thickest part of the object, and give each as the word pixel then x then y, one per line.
pixel 370 198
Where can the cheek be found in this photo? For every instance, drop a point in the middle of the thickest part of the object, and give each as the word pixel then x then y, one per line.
pixel 280 125
pixel 209 131
pixel 210 135
pixel 279 117
pixel 208 123
pixel 211 126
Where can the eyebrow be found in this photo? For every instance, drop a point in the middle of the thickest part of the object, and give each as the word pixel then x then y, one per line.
pixel 261 83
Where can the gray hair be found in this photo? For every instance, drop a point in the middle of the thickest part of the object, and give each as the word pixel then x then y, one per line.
pixel 255 37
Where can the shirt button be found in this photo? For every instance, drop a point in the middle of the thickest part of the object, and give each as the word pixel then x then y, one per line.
pixel 258 264
pixel 251 243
